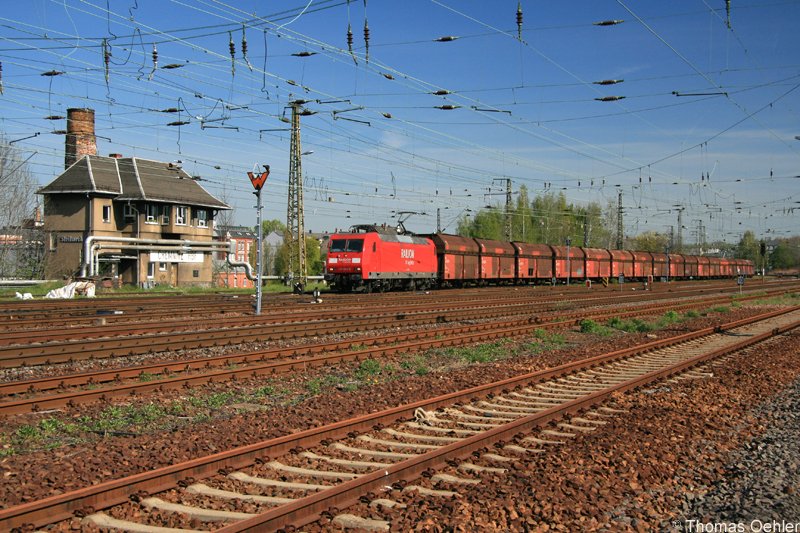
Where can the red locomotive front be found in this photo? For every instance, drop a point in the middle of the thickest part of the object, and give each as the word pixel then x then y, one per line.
pixel 372 257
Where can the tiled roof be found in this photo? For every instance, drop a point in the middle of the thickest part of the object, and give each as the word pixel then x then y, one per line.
pixel 132 178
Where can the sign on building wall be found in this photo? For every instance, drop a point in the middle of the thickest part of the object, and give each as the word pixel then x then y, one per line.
pixel 176 257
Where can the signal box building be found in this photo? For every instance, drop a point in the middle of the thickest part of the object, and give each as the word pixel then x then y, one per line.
pixel 139 221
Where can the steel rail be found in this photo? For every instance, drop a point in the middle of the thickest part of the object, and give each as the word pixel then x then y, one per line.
pixel 71 350
pixel 377 346
pixel 308 509
pixel 103 495
pixel 128 327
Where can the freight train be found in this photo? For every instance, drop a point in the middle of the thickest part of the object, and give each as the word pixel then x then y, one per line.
pixel 380 258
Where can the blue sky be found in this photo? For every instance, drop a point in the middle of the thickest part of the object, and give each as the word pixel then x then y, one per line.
pixel 723 147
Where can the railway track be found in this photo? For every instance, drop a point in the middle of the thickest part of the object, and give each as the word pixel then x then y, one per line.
pixel 435 446
pixel 85 313
pixel 164 337
pixel 186 373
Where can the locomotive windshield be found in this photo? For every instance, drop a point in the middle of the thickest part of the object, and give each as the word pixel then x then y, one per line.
pixel 347 245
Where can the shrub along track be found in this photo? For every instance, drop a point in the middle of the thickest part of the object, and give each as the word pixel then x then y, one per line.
pixel 162 376
pixel 579 386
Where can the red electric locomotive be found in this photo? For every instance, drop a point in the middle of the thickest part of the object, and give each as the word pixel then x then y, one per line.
pixel 379 258
pixel 373 257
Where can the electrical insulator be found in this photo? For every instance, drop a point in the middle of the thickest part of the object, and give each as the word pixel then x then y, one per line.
pixel 232 49
pixel 366 39
pixel 728 12
pixel 387 115
pixel 349 38
pixel 244 50
pixel 155 62
pixel 106 57
pixel 519 20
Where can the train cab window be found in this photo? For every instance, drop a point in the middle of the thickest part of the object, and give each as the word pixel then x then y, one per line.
pixel 374 247
pixel 347 245
pixel 355 245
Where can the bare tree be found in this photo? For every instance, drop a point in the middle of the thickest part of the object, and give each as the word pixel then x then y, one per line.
pixel 223 221
pixel 21 248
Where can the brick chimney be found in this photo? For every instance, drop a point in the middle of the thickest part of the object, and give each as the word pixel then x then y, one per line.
pixel 80 135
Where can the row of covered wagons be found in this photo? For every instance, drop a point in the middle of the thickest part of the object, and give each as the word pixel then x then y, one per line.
pixel 464 259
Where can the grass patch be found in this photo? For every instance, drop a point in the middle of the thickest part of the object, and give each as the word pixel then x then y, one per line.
pixel 633 325
pixel 482 353
pixel 418 365
pixel 545 341
pixel 785 299
pixel 590 326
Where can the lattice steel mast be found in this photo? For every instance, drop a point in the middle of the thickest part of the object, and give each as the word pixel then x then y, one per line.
pixel 294 213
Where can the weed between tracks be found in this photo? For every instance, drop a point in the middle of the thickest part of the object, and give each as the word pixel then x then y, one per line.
pixel 637 325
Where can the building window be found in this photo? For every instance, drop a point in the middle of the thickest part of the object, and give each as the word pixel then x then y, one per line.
pixel 235 281
pixel 202 218
pixel 162 267
pixel 151 270
pixel 151 213
pixel 53 241
pixel 106 213
pixel 180 215
pixel 165 209
pixel 129 212
pixel 195 273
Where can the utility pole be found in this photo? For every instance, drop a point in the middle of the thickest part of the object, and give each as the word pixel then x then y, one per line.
pixel 508 209
pixel 294 213
pixel 438 220
pixel 507 227
pixel 258 182
pixel 619 221
pixel 585 230
pixel 679 241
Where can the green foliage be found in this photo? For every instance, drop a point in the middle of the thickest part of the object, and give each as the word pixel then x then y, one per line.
pixel 548 218
pixel 650 241
pixel 268 226
pixel 545 341
pixel 634 325
pixel 368 368
pixel 748 247
pixel 418 365
pixel 691 313
pixel 590 326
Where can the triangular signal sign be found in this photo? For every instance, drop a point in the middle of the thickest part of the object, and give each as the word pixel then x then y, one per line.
pixel 258 180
